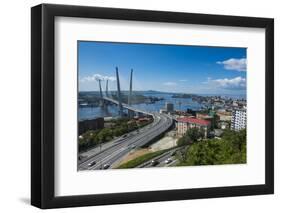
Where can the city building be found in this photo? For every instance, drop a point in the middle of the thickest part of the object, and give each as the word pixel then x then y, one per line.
pixel 145 119
pixel 239 119
pixel 224 116
pixel 191 112
pixel 235 104
pixel 169 107
pixel 163 111
pixel 204 116
pixel 211 116
pixel 182 113
pixel 223 124
pixel 93 124
pixel 183 124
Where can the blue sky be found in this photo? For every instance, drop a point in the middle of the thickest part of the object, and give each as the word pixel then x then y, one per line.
pixel 170 68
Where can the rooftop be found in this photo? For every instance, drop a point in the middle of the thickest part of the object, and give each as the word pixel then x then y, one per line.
pixel 194 121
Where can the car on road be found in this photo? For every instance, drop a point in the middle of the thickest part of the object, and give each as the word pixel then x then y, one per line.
pixel 133 146
pixel 174 153
pixel 106 166
pixel 154 163
pixel 92 163
pixel 169 160
pixel 124 136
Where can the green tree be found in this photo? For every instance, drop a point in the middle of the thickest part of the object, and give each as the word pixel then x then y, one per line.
pixel 104 135
pixel 185 140
pixel 236 138
pixel 231 149
pixel 194 134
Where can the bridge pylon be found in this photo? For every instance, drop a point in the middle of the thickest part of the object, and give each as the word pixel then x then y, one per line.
pixel 106 88
pixel 130 113
pixel 101 95
pixel 130 89
pixel 119 94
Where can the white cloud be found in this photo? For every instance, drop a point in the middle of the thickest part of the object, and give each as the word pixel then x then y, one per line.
pixel 96 77
pixel 237 83
pixel 183 80
pixel 169 83
pixel 234 64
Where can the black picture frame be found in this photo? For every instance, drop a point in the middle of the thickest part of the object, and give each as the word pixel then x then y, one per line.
pixel 43 117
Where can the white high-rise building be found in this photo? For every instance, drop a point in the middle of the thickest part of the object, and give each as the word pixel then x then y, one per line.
pixel 239 119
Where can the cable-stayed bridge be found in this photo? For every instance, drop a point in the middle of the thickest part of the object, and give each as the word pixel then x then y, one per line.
pixel 121 106
pixel 114 153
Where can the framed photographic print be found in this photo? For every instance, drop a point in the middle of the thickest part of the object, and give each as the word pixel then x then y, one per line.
pixel 140 106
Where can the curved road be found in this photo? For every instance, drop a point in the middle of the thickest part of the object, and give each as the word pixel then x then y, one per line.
pixel 113 154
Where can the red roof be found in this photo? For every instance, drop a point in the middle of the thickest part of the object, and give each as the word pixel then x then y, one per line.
pixel 193 121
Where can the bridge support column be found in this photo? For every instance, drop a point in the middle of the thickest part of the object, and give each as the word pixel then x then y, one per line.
pixel 119 94
pixel 131 113
pixel 101 96
pixel 130 90
pixel 106 88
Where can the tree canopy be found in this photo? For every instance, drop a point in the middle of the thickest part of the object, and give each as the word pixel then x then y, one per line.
pixel 230 149
pixel 119 127
pixel 192 135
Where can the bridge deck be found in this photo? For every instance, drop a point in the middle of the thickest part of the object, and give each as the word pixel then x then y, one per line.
pixel 126 106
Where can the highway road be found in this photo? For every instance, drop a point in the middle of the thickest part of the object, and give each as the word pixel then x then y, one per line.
pixel 112 155
pixel 161 159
